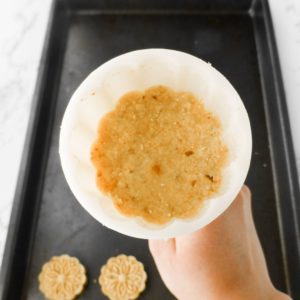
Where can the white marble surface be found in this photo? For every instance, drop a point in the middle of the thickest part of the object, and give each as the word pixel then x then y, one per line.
pixel 22 31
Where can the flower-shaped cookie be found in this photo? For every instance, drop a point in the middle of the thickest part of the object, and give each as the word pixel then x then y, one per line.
pixel 122 278
pixel 62 278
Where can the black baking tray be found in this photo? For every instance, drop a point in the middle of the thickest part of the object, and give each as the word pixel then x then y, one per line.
pixel 237 38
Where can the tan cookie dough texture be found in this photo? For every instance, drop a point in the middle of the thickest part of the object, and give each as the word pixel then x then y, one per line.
pixel 159 155
pixel 62 278
pixel 122 278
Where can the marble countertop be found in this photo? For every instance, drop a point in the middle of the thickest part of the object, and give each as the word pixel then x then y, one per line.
pixel 22 31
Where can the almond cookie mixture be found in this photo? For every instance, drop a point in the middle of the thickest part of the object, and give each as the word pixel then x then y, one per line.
pixel 62 278
pixel 159 155
pixel 122 278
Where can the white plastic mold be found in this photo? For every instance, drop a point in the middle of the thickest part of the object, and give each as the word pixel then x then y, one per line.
pixel 138 70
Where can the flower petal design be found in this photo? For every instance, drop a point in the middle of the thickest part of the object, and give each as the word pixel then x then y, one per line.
pixel 62 278
pixel 122 278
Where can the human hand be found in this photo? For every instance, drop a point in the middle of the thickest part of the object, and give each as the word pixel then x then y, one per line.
pixel 223 260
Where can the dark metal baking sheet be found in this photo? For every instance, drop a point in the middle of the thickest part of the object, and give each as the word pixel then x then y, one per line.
pixel 237 38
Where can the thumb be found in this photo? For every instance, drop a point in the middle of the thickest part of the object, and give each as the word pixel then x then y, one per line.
pixel 236 216
pixel 161 248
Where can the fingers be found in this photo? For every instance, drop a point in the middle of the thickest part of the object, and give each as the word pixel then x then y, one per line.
pixel 239 208
pixel 162 250
pixel 238 213
pixel 234 217
pixel 163 253
pixel 241 200
pixel 246 191
pixel 246 196
pixel 161 247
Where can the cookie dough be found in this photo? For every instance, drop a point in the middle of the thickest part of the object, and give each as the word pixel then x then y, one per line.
pixel 159 154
